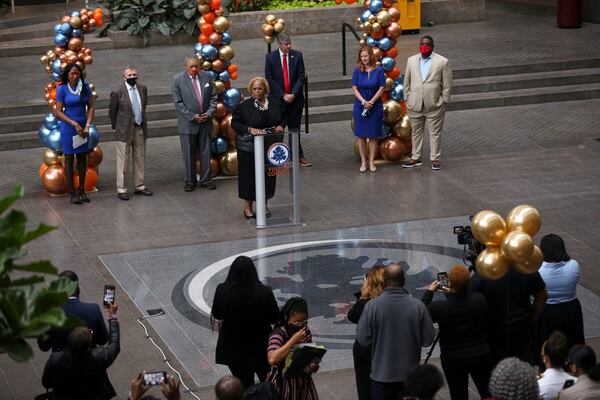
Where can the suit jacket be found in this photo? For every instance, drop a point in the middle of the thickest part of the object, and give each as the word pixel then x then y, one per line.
pixel 120 112
pixel 434 91
pixel 89 313
pixel 186 103
pixel 274 74
pixel 584 389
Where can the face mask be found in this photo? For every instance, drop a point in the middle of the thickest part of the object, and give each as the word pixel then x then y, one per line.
pixel 292 329
pixel 193 72
pixel 425 50
pixel 131 81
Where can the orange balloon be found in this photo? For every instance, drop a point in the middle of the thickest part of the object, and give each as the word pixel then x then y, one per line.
pixel 220 111
pixel 98 10
pixel 338 1
pixel 215 4
pixel 43 169
pixel 378 35
pixel 54 180
pixel 209 17
pixel 403 104
pixel 384 96
pixel 232 68
pixel 393 52
pixel 233 76
pixel 228 83
pixel 206 29
pixel 394 73
pixel 388 3
pixel 204 39
pixel 91 179
pixel 98 19
pixel 94 157
pixel 52 93
pixel 350 1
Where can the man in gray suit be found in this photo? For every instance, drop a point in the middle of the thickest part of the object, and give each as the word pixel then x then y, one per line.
pixel 195 101
pixel 427 86
pixel 127 113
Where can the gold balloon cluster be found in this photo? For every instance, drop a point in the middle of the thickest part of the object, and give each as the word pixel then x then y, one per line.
pixel 54 178
pixel 272 27
pixel 509 242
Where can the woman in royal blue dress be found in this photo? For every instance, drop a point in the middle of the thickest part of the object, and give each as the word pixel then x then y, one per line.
pixel 368 83
pixel 75 109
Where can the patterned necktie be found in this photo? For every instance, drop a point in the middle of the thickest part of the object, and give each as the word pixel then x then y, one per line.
pixel 137 108
pixel 195 83
pixel 286 77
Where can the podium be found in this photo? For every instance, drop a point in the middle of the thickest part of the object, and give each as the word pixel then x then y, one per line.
pixel 280 159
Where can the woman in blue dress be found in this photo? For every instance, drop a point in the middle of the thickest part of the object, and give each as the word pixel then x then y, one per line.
pixel 368 83
pixel 75 109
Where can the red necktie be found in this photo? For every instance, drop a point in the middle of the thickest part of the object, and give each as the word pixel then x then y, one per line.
pixel 197 91
pixel 286 77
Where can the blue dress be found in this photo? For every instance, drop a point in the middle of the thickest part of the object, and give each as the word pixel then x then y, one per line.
pixel 368 83
pixel 75 108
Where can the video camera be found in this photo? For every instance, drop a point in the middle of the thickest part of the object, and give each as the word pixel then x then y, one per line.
pixel 471 246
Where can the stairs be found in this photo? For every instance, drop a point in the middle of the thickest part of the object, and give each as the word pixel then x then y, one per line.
pixel 332 100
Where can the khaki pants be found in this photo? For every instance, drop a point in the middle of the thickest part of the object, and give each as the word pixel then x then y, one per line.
pixel 434 119
pixel 124 150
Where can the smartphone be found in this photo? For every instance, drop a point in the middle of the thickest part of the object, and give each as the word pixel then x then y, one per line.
pixel 442 278
pixel 109 295
pixel 154 378
pixel 568 383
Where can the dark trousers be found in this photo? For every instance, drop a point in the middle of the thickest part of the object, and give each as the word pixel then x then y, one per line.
pixel 511 340
pixel 387 390
pixel 246 374
pixel 190 145
pixel 457 373
pixel 293 113
pixel 362 370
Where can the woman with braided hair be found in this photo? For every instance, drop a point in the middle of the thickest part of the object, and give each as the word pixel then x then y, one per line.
pixel 291 329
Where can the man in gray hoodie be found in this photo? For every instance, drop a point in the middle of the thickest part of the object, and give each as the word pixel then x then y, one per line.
pixel 396 326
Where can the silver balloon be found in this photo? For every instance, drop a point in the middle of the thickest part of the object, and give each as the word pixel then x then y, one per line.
pixel 51 121
pixel 94 137
pixel 53 140
pixel 43 134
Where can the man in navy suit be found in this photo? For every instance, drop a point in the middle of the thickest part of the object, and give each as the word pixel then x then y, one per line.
pixel 89 313
pixel 284 70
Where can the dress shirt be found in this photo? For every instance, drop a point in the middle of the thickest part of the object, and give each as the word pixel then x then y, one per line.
pixel 131 94
pixel 561 280
pixel 552 382
pixel 424 64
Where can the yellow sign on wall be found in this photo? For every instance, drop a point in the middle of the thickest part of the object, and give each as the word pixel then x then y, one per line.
pixel 410 14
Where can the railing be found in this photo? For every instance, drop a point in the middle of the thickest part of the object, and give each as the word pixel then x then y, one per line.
pixel 348 26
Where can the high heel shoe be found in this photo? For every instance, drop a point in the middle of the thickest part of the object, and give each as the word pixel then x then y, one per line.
pixel 249 216
pixel 372 167
pixel 83 197
pixel 75 198
pixel 363 168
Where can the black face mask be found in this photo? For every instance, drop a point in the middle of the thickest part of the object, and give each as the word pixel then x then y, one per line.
pixel 131 81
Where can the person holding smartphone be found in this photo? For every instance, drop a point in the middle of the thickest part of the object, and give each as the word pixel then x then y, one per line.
pixel 461 318
pixel 169 386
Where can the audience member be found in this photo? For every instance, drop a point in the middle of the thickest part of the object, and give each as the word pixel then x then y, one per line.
pixel 80 371
pixel 372 287
pixel 169 387
pixel 464 348
pixel 261 391
pixel 554 356
pixel 511 313
pixel 562 311
pixel 229 388
pixel 291 329
pixel 582 363
pixel 89 313
pixel 396 326
pixel 246 308
pixel 423 382
pixel 513 379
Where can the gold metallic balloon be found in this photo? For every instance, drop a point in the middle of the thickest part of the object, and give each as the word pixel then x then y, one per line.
pixel 270 19
pixel 531 265
pixel 221 24
pixel 517 246
pixel 392 148
pixel 402 128
pixel 392 111
pixel 280 21
pixel 377 52
pixel 489 228
pixel 203 8
pixel 352 123
pixel 358 21
pixel 491 264
pixel 54 180
pixel 44 60
pixel 206 65
pixel 219 86
pixel 267 29
pixel 215 130
pixel 226 53
pixel 376 27
pixel 94 93
pixel 524 218
pixel 70 52
pixel 75 22
pixel 92 86
pixel 372 18
pixel 364 35
pixel 50 157
pixel 366 28
pixel 278 28
pixel 362 42
pixel 81 65
pixel 384 18
pixel 229 163
pixel 269 39
pixel 389 83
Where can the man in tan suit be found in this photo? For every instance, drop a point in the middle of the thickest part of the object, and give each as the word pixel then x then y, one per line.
pixel 127 112
pixel 427 86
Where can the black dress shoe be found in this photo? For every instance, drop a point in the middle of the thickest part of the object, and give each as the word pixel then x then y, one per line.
pixel 249 216
pixel 144 192
pixel 83 197
pixel 75 198
pixel 210 185
pixel 123 196
pixel 188 187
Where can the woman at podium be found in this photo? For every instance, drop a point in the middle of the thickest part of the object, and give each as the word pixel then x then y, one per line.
pixel 255 116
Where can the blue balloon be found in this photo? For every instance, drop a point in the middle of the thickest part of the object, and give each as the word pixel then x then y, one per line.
pixel 57 28
pixel 66 28
pixel 219 145
pixel 43 134
pixel 198 48
pixel 397 92
pixel 209 52
pixel 75 14
pixel 56 66
pixel 388 63
pixel 53 140
pixel 55 77
pixel 213 75
pixel 51 121
pixel 224 76
pixel 375 6
pixel 93 137
pixel 400 79
pixel 364 17
pixel 60 40
pixel 226 38
pixel 77 33
pixel 231 97
pixel 372 42
pixel 385 43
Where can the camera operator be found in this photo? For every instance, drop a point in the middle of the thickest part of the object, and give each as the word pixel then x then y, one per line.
pixel 461 319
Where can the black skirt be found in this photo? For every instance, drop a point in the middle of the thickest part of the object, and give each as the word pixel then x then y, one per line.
pixel 246 178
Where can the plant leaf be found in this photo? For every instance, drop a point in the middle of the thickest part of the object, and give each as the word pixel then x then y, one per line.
pixel 6 202
pixel 189 27
pixel 164 28
pixel 44 267
pixel 17 349
pixel 41 230
pixel 144 21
